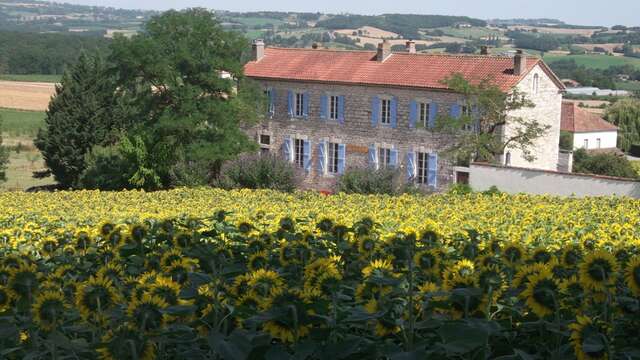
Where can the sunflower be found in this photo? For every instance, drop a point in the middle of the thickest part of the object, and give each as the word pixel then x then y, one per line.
pixel 542 293
pixel 290 325
pixel 138 347
pixel 240 285
pixel 112 271
pixel 5 275
pixel 166 289
pixel 24 280
pixel 6 297
pixel 596 332
pixel 382 327
pixel 572 293
pixel 462 268
pixel 49 246
pixel 48 310
pixel 146 314
pixel 106 228
pixel 170 256
pixel 258 260
pixel 598 271
pixel 183 240
pixel 367 246
pixel 180 269
pixel 572 255
pixel 491 278
pixel 265 283
pixel 94 297
pixel 521 277
pixel 428 261
pixel 380 268
pixel 632 275
pixel 513 254
pixel 321 277
pixel 82 241
pixel 541 255
pixel 137 232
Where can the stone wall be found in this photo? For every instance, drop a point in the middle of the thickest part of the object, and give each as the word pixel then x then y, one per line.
pixel 357 131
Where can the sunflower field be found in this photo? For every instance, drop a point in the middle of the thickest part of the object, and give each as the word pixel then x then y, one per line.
pixel 212 274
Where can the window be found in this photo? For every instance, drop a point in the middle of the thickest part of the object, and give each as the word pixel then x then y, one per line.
pixel 265 143
pixel 298 153
pixel 466 112
pixel 586 143
pixel 598 143
pixel 333 107
pixel 536 83
pixel 270 107
pixel 422 162
pixel 507 159
pixel 424 114
pixel 385 111
pixel 333 157
pixel 299 105
pixel 384 158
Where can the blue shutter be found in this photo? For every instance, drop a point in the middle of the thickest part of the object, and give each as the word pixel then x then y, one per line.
pixel 305 105
pixel 375 111
pixel 291 101
pixel 433 115
pixel 287 148
pixel 394 113
pixel 306 155
pixel 476 118
pixel 373 158
pixel 456 111
pixel 393 162
pixel 341 158
pixel 341 109
pixel 323 106
pixel 432 170
pixel 411 165
pixel 413 114
pixel 321 162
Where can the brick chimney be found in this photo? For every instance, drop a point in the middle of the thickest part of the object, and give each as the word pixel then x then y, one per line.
pixel 519 63
pixel 484 50
pixel 411 47
pixel 257 49
pixel 384 51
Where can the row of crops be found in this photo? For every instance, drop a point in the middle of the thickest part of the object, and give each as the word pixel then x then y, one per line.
pixel 209 274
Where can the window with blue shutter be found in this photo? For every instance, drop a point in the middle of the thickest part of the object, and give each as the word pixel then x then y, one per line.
pixel 432 175
pixel 306 155
pixel 456 111
pixel 287 149
pixel 305 105
pixel 375 111
pixel 341 109
pixel 433 115
pixel 475 112
pixel 413 114
pixel 290 102
pixel 321 158
pixel 393 162
pixel 341 158
pixel 323 106
pixel 373 157
pixel 394 113
pixel 411 165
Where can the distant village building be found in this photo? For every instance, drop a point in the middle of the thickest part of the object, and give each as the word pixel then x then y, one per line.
pixel 589 130
pixel 330 110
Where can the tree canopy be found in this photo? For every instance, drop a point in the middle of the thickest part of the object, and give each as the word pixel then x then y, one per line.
pixel 625 114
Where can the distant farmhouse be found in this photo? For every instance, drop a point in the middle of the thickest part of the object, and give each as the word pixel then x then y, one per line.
pixel 331 110
pixel 589 131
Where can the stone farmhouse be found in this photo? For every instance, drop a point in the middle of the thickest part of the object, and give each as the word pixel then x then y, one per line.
pixel 589 131
pixel 330 110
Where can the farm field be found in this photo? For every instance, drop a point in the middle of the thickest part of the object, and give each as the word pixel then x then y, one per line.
pixel 596 61
pixel 33 96
pixel 31 78
pixel 555 30
pixel 19 123
pixel 473 32
pixel 262 274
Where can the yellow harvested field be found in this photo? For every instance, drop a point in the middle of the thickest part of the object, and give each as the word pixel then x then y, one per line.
pixel 555 30
pixel 25 95
pixel 370 31
pixel 609 47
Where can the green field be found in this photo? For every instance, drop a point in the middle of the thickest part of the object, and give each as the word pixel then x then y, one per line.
pixel 595 61
pixel 470 33
pixel 256 21
pixel 17 123
pixel 31 78
pixel 628 85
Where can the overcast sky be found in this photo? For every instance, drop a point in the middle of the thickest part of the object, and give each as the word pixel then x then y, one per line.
pixel 583 12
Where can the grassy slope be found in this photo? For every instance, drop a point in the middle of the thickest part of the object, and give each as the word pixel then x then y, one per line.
pixel 595 61
pixel 31 78
pixel 17 123
pixel 473 32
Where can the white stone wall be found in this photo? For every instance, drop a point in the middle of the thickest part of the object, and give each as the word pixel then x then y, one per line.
pixel 547 111
pixel 608 140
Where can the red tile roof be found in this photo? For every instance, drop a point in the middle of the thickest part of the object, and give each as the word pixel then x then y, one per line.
pixel 576 119
pixel 400 69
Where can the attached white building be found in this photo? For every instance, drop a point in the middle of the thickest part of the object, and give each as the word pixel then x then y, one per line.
pixel 590 131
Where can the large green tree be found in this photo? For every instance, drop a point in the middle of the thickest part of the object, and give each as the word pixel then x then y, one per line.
pixel 85 111
pixel 184 73
pixel 478 134
pixel 625 114
pixel 4 157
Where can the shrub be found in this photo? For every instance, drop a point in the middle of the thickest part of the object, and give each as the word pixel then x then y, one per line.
pixel 608 164
pixel 368 181
pixel 105 169
pixel 460 189
pixel 566 140
pixel 257 172
pixel 634 150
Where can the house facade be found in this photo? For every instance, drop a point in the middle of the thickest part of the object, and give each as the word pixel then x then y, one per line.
pixel 589 131
pixel 333 110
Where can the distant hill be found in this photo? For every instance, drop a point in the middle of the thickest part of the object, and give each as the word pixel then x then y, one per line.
pixel 407 26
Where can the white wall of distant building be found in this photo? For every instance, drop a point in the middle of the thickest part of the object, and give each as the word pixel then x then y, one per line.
pixel 595 140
